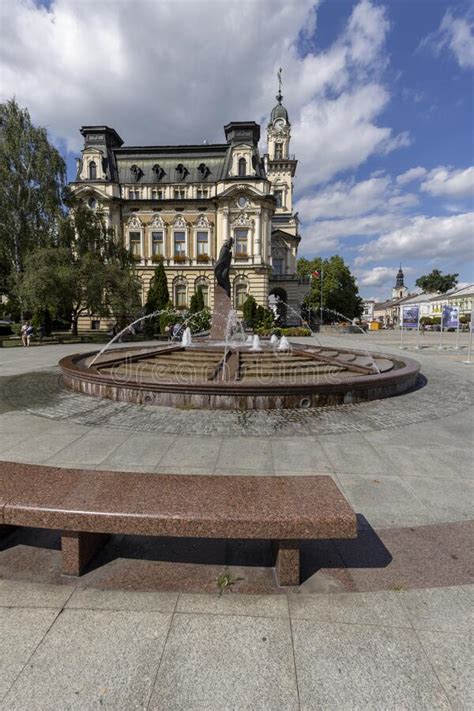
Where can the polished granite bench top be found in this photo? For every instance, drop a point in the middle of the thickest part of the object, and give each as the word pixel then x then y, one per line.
pixel 280 507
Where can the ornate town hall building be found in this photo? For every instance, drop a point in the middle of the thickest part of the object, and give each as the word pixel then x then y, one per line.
pixel 180 203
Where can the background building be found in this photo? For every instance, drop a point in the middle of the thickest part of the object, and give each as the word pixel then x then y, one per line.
pixel 180 203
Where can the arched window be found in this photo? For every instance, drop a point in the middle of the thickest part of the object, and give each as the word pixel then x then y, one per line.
pixel 242 167
pixel 240 292
pixel 180 300
pixel 204 284
pixel 92 170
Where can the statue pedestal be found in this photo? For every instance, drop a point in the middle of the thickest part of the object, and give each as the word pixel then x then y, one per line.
pixel 220 313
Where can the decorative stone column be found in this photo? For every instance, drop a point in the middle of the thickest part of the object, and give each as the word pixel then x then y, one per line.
pixel 257 244
pixel 225 225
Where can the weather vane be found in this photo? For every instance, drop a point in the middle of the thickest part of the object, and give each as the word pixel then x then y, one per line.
pixel 279 79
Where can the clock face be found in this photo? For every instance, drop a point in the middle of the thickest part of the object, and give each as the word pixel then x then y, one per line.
pixel 279 124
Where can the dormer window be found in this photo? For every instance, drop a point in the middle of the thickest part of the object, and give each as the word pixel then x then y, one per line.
pixel 203 171
pixel 92 170
pixel 242 167
pixel 158 171
pixel 136 172
pixel 181 171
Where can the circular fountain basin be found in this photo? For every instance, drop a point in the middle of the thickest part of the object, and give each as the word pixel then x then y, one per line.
pixel 205 376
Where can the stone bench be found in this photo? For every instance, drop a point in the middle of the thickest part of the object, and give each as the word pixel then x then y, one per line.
pixel 86 506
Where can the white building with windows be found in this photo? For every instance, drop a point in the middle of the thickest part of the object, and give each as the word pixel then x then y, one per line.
pixel 180 203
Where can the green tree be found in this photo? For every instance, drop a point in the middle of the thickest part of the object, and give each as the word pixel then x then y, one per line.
pixel 158 298
pixel 340 291
pixel 437 282
pixel 32 178
pixel 88 271
pixel 249 310
pixel 197 301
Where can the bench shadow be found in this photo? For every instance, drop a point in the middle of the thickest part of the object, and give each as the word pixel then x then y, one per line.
pixel 365 551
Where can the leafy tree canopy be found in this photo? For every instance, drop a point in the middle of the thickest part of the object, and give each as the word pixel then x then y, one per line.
pixel 340 291
pixel 88 271
pixel 32 178
pixel 437 282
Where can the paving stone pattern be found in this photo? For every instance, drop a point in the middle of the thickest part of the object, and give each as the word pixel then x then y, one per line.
pixel 43 394
pixel 120 650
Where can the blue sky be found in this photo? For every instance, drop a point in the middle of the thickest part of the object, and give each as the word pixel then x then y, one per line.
pixel 379 96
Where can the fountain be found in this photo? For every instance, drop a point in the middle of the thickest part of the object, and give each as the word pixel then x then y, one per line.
pixel 256 344
pixel 186 339
pixel 284 344
pixel 229 371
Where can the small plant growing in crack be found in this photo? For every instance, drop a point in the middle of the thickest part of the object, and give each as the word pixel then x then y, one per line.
pixel 225 581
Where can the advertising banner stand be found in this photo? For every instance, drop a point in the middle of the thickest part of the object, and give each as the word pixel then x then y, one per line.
pixel 410 320
pixel 401 346
pixel 450 319
pixel 469 347
pixel 417 346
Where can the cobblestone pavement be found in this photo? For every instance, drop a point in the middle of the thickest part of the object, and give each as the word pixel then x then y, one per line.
pixel 43 394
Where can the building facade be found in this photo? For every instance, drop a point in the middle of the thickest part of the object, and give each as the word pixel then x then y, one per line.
pixel 180 203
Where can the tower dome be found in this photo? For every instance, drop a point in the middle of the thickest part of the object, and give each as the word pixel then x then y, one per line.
pixel 279 110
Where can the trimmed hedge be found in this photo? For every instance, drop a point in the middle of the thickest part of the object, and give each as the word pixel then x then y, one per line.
pixel 295 332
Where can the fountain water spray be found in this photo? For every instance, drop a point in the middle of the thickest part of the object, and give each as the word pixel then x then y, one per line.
pixel 284 344
pixel 274 339
pixel 186 339
pixel 256 343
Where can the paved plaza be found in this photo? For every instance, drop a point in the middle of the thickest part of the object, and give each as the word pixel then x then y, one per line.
pixel 381 622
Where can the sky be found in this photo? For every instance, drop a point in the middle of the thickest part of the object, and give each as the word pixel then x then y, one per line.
pixel 379 95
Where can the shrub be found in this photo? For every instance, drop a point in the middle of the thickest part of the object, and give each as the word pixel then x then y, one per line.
pixel 295 332
pixel 166 318
pixel 249 310
pixel 201 321
pixel 264 318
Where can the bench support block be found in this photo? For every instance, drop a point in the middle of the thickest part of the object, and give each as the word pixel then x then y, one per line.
pixel 287 563
pixel 78 549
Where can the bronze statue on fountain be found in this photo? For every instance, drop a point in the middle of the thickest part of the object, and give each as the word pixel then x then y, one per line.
pixel 222 300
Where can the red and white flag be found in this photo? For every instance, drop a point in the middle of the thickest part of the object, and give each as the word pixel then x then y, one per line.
pixel 315 275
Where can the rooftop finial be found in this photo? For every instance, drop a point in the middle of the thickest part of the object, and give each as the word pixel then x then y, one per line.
pixel 279 96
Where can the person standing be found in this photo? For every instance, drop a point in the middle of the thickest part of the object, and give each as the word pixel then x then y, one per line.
pixel 24 338
pixel 29 333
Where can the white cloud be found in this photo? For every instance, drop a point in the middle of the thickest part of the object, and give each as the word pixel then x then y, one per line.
pixel 344 199
pixel 427 238
pixel 153 70
pixel 348 208
pixel 455 34
pixel 366 32
pixel 378 276
pixel 411 175
pixel 339 134
pixel 444 182
pixel 149 70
